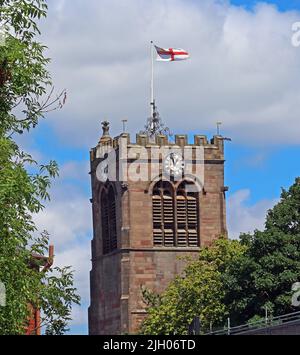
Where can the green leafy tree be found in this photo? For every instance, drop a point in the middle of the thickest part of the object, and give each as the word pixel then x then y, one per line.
pixel 236 279
pixel 199 292
pixel 26 95
pixel 263 277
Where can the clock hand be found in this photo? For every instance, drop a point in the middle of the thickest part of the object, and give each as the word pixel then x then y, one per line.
pixel 172 158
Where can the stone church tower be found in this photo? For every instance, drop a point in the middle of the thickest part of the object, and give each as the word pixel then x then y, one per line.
pixel 153 201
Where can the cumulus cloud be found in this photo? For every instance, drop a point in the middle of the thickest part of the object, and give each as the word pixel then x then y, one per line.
pixel 75 170
pixel 80 318
pixel 67 218
pixel 244 217
pixel 243 69
pixel 79 258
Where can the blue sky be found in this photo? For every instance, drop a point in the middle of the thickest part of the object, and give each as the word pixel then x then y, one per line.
pixel 243 71
pixel 283 5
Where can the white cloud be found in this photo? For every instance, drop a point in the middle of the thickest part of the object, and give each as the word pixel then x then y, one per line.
pixel 67 217
pixel 69 225
pixel 80 318
pixel 79 257
pixel 75 170
pixel 66 221
pixel 243 69
pixel 244 218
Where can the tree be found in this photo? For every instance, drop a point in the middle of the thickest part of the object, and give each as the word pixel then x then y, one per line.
pixel 25 96
pixel 263 277
pixel 198 292
pixel 236 279
pixel 24 78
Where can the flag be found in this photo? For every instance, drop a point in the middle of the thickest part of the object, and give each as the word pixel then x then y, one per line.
pixel 171 54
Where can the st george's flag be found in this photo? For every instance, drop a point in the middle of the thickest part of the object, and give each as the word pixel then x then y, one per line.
pixel 171 54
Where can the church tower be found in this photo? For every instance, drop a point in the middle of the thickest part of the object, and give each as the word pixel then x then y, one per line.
pixel 154 200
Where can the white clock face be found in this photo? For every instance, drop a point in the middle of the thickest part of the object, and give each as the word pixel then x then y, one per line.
pixel 173 164
pixel 102 171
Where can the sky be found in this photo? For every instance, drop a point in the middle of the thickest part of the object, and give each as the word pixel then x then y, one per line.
pixel 243 71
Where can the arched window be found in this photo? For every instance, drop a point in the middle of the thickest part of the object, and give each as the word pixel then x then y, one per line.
pixel 163 214
pixel 187 213
pixel 112 219
pixel 108 221
pixel 104 222
pixel 175 229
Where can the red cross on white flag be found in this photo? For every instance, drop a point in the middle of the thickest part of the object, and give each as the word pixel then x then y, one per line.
pixel 163 55
pixel 171 54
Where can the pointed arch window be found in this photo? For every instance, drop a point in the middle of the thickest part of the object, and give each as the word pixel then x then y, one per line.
pixel 108 220
pixel 104 222
pixel 187 212
pixel 175 215
pixel 112 219
pixel 163 214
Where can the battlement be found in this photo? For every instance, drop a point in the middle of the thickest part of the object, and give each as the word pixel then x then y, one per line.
pixel 180 140
pixel 214 148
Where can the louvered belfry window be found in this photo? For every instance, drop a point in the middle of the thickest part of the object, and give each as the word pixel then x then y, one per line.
pixel 187 215
pixel 163 215
pixel 112 219
pixel 175 215
pixel 108 221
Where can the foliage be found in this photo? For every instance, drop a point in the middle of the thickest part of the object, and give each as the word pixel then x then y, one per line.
pixel 24 184
pixel 24 77
pixel 56 300
pixel 236 279
pixel 264 276
pixel 199 292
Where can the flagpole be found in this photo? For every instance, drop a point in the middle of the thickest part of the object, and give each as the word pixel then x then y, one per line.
pixel 152 79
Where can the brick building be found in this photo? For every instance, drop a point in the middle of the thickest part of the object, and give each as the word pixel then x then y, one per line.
pixel 142 225
pixel 39 263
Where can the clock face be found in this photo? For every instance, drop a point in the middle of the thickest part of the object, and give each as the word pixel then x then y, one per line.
pixel 173 164
pixel 102 171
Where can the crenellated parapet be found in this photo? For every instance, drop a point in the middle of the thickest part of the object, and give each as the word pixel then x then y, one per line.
pixel 213 148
